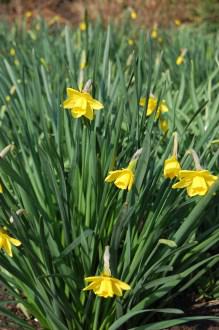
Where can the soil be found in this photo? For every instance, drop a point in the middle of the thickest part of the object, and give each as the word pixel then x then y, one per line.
pixel 149 13
pixel 203 308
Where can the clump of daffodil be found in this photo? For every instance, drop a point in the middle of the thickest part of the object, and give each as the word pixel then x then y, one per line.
pixel 181 58
pixel 171 165
pixel 161 110
pixel 81 103
pixel 197 182
pixel 83 26
pixel 105 285
pixel 124 178
pixel 6 241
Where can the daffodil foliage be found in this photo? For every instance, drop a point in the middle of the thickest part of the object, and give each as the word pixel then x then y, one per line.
pixel 67 187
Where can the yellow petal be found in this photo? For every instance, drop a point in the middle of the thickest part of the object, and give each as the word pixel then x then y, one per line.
pixel 183 183
pixel 113 175
pixel 14 241
pixel 152 104
pixel 123 285
pixel 164 125
pixel 1 189
pixel 73 92
pixel 89 112
pixel 7 247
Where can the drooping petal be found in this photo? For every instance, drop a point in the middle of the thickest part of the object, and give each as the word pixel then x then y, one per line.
pixel 14 241
pixel 89 112
pixel 7 247
pixel 123 285
pixel 183 183
pixel 71 92
pixel 113 175
pixel 92 286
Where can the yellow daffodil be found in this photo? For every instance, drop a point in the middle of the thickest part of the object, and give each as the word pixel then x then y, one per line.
pixel 171 167
pixel 6 241
pixel 105 285
pixel 154 33
pixel 130 42
pixel 28 14
pixel 7 98
pixel 163 125
pixel 1 189
pixel 177 22
pixel 12 52
pixel 152 105
pixel 81 104
pixel 133 14
pixel 124 178
pixel 196 182
pixel 180 60
pixel 83 26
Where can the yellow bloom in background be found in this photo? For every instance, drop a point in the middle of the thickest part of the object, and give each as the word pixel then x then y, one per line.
pixel 171 167
pixel 164 126
pixel 16 62
pixel 6 241
pixel 81 104
pixel 177 22
pixel 133 14
pixel 12 52
pixel 28 14
pixel 196 182
pixel 152 105
pixel 130 42
pixel 124 178
pixel 154 33
pixel 106 286
pixel 1 189
pixel 83 26
pixel 8 98
pixel 180 60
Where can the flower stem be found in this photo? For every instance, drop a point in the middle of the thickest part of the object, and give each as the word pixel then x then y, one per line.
pixel 195 158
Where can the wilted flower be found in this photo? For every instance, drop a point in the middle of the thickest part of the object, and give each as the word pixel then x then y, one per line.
pixel 105 285
pixel 6 241
pixel 81 104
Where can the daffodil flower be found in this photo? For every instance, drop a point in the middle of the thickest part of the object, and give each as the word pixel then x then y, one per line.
pixel 83 26
pixel 105 285
pixel 124 178
pixel 81 104
pixel 6 241
pixel 196 182
pixel 180 60
pixel 171 165
pixel 152 105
